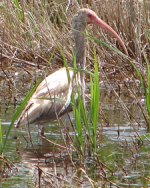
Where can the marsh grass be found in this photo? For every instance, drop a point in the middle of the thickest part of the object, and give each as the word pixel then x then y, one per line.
pixel 95 102
pixel 87 117
pixel 42 33
pixel 33 34
pixel 46 27
pixel 17 113
pixel 145 85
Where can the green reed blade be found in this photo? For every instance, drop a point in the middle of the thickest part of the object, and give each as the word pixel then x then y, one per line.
pixel 95 101
pixel 76 111
pixel 99 42
pixel 19 110
pixel 84 116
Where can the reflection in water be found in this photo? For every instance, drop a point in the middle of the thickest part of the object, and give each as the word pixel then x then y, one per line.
pixel 46 165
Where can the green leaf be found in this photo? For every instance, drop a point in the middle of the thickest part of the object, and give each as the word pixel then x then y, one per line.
pixel 19 111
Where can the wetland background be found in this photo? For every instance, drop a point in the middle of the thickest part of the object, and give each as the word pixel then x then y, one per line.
pixel 33 34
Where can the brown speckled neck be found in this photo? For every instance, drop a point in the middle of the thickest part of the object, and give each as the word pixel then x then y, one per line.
pixel 79 26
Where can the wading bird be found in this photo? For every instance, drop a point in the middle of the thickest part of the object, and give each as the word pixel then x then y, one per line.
pixel 52 97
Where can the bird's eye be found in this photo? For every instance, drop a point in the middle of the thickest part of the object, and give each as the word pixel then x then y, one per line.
pixel 89 15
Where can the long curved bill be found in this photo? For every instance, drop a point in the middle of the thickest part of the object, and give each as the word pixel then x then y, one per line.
pixel 105 26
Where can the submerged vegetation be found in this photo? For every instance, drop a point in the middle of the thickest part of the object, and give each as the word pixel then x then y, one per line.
pixel 36 39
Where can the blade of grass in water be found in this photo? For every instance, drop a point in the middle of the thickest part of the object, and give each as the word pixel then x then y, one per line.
pixel 79 124
pixel 82 118
pixel 95 101
pixel 19 111
pixel 76 112
pixel 78 106
pixel 75 106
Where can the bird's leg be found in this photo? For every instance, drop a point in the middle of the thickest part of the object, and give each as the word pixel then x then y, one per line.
pixel 41 130
pixel 66 121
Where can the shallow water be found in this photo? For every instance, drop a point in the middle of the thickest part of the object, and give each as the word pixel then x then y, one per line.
pixel 121 147
pixel 128 160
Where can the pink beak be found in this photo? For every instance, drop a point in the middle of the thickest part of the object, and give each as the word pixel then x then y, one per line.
pixel 105 26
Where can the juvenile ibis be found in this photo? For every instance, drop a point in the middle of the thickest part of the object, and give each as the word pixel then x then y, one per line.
pixel 57 87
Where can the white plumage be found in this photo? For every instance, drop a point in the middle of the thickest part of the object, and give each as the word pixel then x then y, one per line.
pixel 52 98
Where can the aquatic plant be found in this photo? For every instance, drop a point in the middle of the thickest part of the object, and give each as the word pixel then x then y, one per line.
pixel 87 117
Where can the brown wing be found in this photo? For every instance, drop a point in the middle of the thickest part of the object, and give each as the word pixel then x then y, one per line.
pixel 51 99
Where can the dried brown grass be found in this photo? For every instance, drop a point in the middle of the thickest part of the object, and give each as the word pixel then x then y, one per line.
pixel 46 26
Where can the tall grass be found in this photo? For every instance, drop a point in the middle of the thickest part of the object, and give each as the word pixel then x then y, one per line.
pixel 95 101
pixel 87 118
pixel 32 33
pixel 46 26
pixel 77 109
pixel 18 112
pixel 145 85
pixel 39 30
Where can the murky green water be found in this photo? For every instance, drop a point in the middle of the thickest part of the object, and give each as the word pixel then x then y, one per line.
pixel 121 149
pixel 123 155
